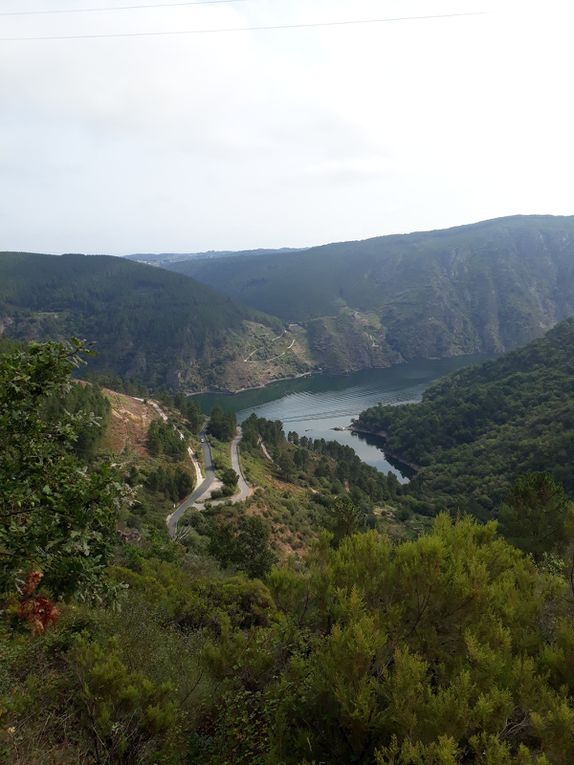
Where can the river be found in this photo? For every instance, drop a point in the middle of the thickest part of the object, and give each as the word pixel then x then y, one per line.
pixel 314 406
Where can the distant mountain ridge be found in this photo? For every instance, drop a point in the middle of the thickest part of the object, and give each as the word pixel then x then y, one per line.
pixel 164 259
pixel 483 287
pixel 149 325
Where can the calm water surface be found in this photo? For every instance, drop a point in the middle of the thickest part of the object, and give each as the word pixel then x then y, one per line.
pixel 314 406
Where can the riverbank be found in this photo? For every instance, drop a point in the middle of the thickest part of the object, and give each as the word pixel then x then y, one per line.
pixel 227 392
pixel 289 378
pixel 383 435
pixel 450 363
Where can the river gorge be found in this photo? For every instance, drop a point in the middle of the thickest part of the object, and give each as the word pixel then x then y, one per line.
pixel 323 406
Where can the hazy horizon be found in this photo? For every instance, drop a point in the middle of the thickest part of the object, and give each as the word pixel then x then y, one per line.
pixel 144 252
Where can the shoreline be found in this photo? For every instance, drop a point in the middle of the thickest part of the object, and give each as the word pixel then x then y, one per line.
pixel 321 371
pixel 227 392
pixel 384 435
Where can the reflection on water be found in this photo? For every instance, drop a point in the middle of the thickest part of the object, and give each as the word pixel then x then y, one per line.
pixel 314 406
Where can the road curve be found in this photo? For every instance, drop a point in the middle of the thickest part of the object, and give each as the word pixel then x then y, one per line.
pixel 244 489
pixel 198 492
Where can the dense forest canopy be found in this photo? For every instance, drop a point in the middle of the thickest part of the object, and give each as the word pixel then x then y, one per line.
pixel 479 429
pixel 148 325
pixel 363 274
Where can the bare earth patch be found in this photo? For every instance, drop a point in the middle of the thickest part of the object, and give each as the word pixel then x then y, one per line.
pixel 128 426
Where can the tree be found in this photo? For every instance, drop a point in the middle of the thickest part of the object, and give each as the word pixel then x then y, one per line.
pixel 222 424
pixel 129 716
pixel 57 517
pixel 344 519
pixel 244 544
pixel 293 437
pixel 163 438
pixel 173 482
pixel 190 410
pixel 301 459
pixel 535 515
pixel 285 465
pixel 83 398
pixel 230 478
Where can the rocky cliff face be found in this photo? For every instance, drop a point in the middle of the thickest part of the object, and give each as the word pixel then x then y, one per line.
pixel 349 342
pixel 489 297
pixel 483 289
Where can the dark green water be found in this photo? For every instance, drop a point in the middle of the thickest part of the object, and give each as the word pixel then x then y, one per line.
pixel 313 406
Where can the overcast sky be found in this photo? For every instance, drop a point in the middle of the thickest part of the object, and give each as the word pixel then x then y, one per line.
pixel 279 138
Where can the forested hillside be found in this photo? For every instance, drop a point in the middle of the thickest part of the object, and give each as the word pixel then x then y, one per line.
pixel 148 326
pixel 479 429
pixel 487 287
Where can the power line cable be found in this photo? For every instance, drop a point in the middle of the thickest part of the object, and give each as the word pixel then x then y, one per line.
pixel 182 32
pixel 50 11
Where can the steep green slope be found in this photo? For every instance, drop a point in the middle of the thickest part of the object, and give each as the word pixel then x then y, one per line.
pixel 486 287
pixel 479 429
pixel 148 325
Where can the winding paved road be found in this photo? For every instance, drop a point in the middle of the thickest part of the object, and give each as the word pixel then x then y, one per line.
pixel 244 489
pixel 198 492
pixel 200 495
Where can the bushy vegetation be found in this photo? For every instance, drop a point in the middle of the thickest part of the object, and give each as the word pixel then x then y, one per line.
pixel 453 648
pixel 57 517
pixel 164 439
pixel 242 543
pixel 478 430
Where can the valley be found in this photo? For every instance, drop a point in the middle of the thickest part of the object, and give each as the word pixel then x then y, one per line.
pixel 481 428
pixel 197 575
pixel 243 320
pixel 286 383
